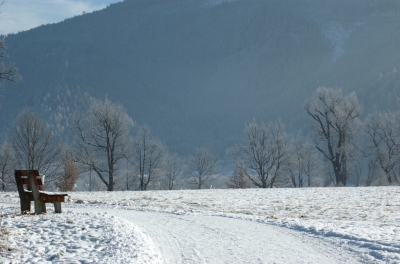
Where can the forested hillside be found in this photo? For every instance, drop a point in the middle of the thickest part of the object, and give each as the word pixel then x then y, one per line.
pixel 197 71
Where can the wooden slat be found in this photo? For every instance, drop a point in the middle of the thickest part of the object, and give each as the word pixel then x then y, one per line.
pixel 26 172
pixel 25 179
pixel 52 198
pixel 19 182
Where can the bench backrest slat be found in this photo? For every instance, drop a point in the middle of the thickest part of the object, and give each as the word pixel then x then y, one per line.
pixel 22 177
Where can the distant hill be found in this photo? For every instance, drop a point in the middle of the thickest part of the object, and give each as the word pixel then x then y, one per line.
pixel 196 71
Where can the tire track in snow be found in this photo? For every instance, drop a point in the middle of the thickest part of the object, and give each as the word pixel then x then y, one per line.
pixel 213 239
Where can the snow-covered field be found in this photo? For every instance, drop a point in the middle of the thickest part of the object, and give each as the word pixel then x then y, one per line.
pixel 95 227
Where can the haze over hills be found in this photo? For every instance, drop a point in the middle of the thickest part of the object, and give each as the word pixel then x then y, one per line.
pixel 196 71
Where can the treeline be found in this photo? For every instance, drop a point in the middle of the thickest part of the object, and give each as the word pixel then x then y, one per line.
pixel 104 150
pixel 341 149
pixel 111 152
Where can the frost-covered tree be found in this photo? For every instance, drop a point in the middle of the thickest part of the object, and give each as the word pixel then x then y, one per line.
pixel 238 180
pixel 383 130
pixel 172 170
pixel 33 145
pixel 372 172
pixel 7 167
pixel 336 124
pixel 130 176
pixel 364 172
pixel 103 139
pixel 202 167
pixel 265 153
pixel 147 157
pixel 69 172
pixel 305 166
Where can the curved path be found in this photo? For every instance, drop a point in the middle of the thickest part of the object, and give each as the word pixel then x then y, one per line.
pixel 213 239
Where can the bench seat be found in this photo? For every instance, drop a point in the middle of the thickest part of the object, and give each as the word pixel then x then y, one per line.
pixel 48 197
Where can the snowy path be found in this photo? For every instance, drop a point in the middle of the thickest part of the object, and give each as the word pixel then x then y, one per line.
pixel 212 239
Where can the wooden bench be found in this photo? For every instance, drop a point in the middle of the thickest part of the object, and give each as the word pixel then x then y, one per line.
pixel 33 180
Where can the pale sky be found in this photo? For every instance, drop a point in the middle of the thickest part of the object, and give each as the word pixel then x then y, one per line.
pixel 20 15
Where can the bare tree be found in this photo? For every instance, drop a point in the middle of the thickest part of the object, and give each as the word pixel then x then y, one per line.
pixel 336 125
pixel 202 166
pixel 148 154
pixel 7 167
pixel 264 154
pixel 69 173
pixel 383 130
pixel 91 182
pixel 372 172
pixel 130 176
pixel 33 145
pixel 238 180
pixel 305 165
pixel 9 72
pixel 356 173
pixel 172 170
pixel 103 139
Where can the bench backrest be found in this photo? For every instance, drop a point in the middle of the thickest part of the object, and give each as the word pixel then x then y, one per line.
pixel 22 177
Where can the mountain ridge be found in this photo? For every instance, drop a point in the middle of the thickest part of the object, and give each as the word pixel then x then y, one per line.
pixel 196 73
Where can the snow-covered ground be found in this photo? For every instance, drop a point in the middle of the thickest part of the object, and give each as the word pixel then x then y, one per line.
pixel 313 224
pixel 73 238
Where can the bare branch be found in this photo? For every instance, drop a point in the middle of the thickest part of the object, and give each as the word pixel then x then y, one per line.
pixel 203 165
pixel 264 154
pixel 33 145
pixel 102 139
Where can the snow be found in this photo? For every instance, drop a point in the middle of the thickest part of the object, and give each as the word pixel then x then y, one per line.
pixel 131 227
pixel 75 238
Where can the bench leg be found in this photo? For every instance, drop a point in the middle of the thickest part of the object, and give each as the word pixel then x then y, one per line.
pixel 44 208
pixel 25 205
pixel 38 206
pixel 57 207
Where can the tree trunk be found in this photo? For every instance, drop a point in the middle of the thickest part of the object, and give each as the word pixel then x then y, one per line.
pixel 110 186
pixel 340 180
pixel 264 184
pixel 340 173
pixel 199 184
pixel 388 176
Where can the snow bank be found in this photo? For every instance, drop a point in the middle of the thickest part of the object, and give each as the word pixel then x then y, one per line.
pixel 73 238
